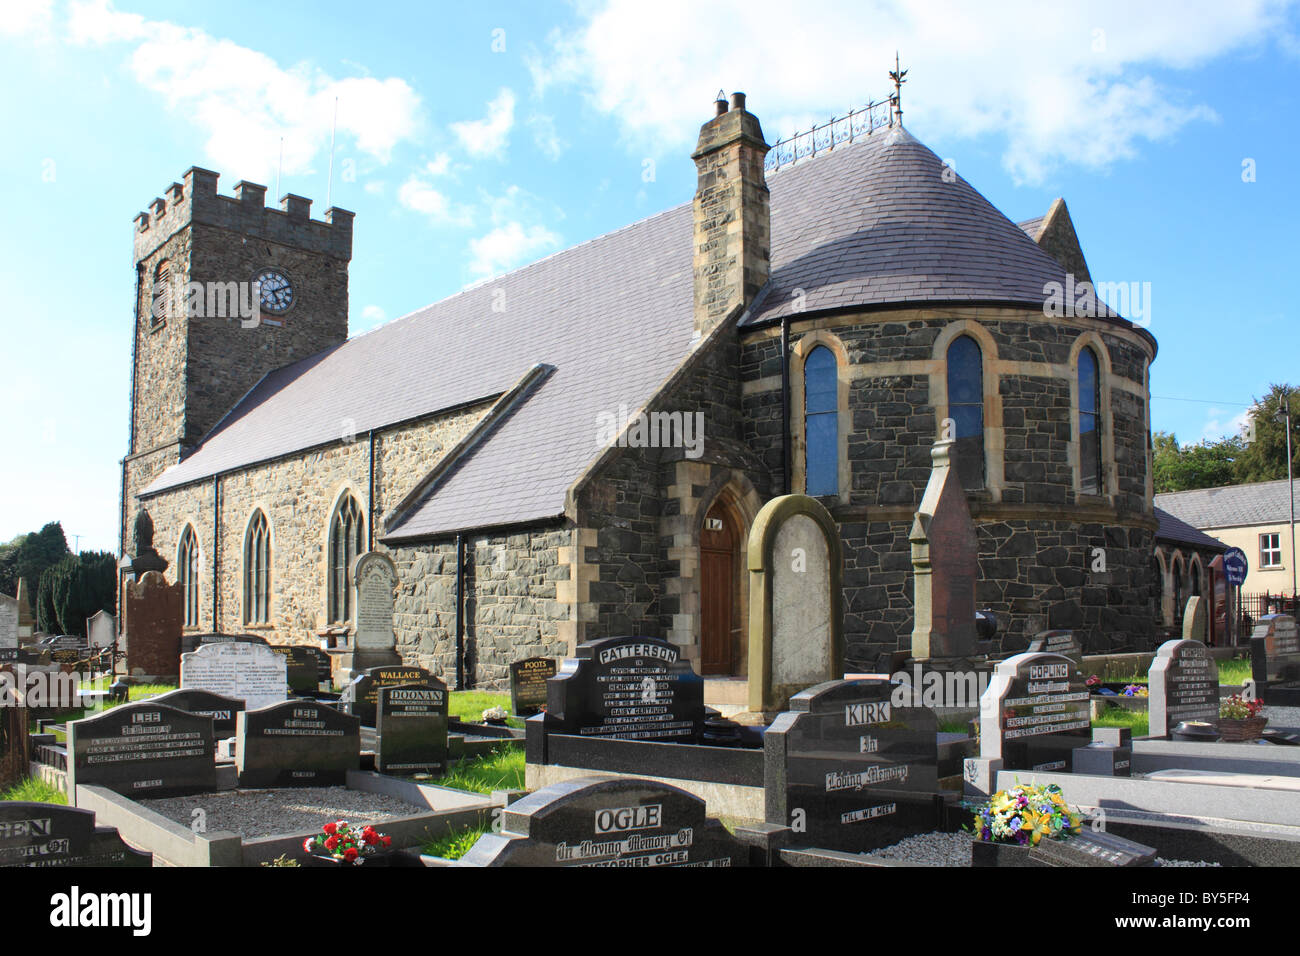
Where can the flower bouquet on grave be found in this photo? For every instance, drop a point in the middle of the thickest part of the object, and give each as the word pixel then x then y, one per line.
pixel 1241 720
pixel 497 716
pixel 1024 815
pixel 1135 690
pixel 345 844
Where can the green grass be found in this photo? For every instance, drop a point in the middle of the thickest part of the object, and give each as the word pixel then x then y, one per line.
pixel 454 845
pixel 1138 721
pixel 503 769
pixel 1232 672
pixel 954 727
pixel 468 705
pixel 36 790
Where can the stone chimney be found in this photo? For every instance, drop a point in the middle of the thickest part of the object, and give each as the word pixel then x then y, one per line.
pixel 732 217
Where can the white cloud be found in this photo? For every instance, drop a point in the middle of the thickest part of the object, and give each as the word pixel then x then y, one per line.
pixel 490 135
pixel 1070 83
pixel 1224 424
pixel 372 315
pixel 545 136
pixel 439 166
pixel 418 195
pixel 30 18
pixel 507 246
pixel 245 101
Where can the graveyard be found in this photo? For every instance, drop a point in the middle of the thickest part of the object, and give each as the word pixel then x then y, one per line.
pixel 224 750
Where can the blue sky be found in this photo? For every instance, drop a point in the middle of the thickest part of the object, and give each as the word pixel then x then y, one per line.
pixel 476 138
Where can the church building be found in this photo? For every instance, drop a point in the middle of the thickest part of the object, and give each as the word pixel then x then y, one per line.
pixel 578 448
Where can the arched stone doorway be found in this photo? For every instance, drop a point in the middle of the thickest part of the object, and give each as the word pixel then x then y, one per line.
pixel 722 537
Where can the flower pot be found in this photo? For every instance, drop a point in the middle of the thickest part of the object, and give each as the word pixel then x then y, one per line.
pixel 1236 730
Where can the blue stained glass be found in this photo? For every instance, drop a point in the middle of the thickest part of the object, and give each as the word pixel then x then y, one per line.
pixel 820 381
pixel 965 372
pixel 1087 381
pixel 821 423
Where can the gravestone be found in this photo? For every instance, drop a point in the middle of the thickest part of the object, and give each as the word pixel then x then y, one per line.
pixel 67 649
pixel 1183 684
pixel 1195 621
pixel 608 822
pixel 945 564
pixel 1057 642
pixel 101 629
pixel 152 632
pixel 300 667
pixel 26 620
pixel 796 611
pixel 296 744
pixel 411 728
pixel 626 688
pixel 253 673
pixel 222 710
pixel 143 749
pixel 1034 713
pixel 374 578
pixel 192 642
pixel 46 834
pixel 8 621
pixel 1275 660
pixel 850 769
pixel 361 697
pixel 321 660
pixel 528 679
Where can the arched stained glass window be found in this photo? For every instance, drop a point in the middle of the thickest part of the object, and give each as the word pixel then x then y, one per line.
pixel 821 423
pixel 347 540
pixel 1089 424
pixel 187 569
pixel 966 408
pixel 257 570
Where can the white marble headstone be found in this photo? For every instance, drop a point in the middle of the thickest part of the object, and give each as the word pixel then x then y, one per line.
pixel 101 629
pixel 801 611
pixel 8 621
pixel 252 673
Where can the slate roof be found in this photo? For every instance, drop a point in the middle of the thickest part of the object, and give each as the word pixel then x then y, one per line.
pixel 1031 227
pixel 1233 506
pixel 1180 532
pixel 869 224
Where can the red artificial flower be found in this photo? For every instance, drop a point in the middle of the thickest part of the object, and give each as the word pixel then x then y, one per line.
pixel 388 841
pixel 307 844
pixel 331 828
pixel 350 854
pixel 331 843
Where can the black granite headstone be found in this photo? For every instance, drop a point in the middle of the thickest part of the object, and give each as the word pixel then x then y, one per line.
pixel 1183 685
pixel 300 667
pixel 46 834
pixel 411 728
pixel 361 697
pixel 143 749
pixel 324 670
pixel 1275 660
pixel 528 684
pixel 296 744
pixel 608 822
pixel 1057 642
pixel 222 710
pixel 847 769
pixel 1035 713
pixel 626 688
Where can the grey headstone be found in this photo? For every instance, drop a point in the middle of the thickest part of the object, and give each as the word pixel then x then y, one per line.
pixel 253 673
pixel 1035 713
pixel 1183 684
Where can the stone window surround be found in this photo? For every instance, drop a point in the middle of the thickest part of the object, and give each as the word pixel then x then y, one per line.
pixel 191 525
pixel 1105 382
pixel 345 489
pixel 994 436
pixel 259 507
pixel 1189 570
pixel 799 352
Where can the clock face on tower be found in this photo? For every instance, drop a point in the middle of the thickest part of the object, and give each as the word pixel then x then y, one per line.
pixel 277 292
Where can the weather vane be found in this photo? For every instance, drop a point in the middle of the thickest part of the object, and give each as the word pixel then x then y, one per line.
pixel 899 76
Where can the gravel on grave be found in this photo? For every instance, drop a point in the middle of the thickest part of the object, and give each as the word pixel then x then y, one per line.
pixel 953 849
pixel 259 813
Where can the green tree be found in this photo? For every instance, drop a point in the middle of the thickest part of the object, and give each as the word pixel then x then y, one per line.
pixel 74 590
pixel 27 556
pixel 1264 459
pixel 1202 465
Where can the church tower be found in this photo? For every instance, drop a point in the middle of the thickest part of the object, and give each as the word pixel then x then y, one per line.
pixel 227 289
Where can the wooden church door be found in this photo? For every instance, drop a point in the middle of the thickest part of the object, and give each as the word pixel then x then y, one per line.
pixel 719 565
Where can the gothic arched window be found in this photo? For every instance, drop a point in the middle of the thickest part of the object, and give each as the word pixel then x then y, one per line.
pixel 966 408
pixel 1089 424
pixel 347 540
pixel 821 423
pixel 257 570
pixel 187 570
